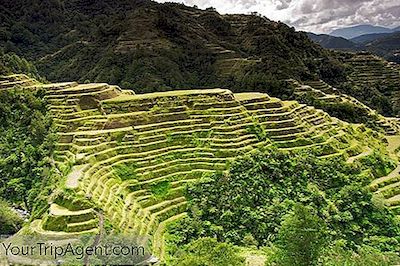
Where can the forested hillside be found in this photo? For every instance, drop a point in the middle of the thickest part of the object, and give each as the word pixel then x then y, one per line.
pixel 309 212
pixel 26 144
pixel 148 46
pixel 225 140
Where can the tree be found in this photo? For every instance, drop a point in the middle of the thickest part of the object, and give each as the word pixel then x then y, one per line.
pixel 301 237
pixel 26 144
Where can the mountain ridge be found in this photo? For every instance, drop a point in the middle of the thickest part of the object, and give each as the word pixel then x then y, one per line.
pixel 355 31
pixel 150 46
pixel 333 42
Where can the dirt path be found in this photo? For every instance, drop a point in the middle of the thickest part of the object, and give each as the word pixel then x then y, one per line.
pixel 255 260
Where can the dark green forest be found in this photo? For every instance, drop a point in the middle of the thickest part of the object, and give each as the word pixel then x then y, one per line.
pixel 147 46
pixel 26 144
pixel 300 209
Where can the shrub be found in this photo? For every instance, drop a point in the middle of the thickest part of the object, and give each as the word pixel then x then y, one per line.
pixel 301 237
pixel 125 171
pixel 209 252
pixel 9 220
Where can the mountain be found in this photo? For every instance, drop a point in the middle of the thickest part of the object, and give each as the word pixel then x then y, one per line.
pixel 355 31
pixel 332 42
pixel 374 36
pixel 387 47
pixel 148 46
pixel 366 38
pixel 226 143
pixel 389 42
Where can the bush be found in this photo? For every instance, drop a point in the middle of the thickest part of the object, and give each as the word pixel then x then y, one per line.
pixel 9 220
pixel 339 254
pixel 208 252
pixel 302 237
pixel 26 144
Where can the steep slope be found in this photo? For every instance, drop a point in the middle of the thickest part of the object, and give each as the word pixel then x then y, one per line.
pixel 321 95
pixel 374 82
pixel 132 155
pixel 332 42
pixel 147 46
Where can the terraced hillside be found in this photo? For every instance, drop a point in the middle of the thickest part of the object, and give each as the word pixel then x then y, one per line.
pixel 388 187
pixel 16 80
pixel 330 96
pixel 373 71
pixel 130 156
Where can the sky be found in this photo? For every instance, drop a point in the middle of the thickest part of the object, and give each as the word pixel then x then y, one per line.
pixel 319 16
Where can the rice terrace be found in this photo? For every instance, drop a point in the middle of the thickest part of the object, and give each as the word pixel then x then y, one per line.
pixel 188 133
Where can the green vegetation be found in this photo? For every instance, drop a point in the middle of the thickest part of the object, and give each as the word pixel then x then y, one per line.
pixel 301 238
pixel 161 189
pixel 125 171
pixel 373 95
pixel 373 81
pixel 339 254
pixel 208 252
pixel 345 111
pixel 260 198
pixel 9 220
pixel 11 63
pixel 69 41
pixel 302 178
pixel 215 178
pixel 26 145
pixel 257 130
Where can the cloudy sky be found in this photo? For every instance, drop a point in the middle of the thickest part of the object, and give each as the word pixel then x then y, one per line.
pixel 320 16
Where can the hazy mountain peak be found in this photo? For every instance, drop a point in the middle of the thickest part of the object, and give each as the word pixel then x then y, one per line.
pixel 355 31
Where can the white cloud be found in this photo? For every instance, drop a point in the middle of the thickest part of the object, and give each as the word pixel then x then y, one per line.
pixel 312 15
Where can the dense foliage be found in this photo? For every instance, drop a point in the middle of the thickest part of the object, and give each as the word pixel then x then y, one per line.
pixel 26 143
pixel 208 252
pixel 9 220
pixel 11 63
pixel 250 203
pixel 301 237
pixel 373 95
pixel 147 46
